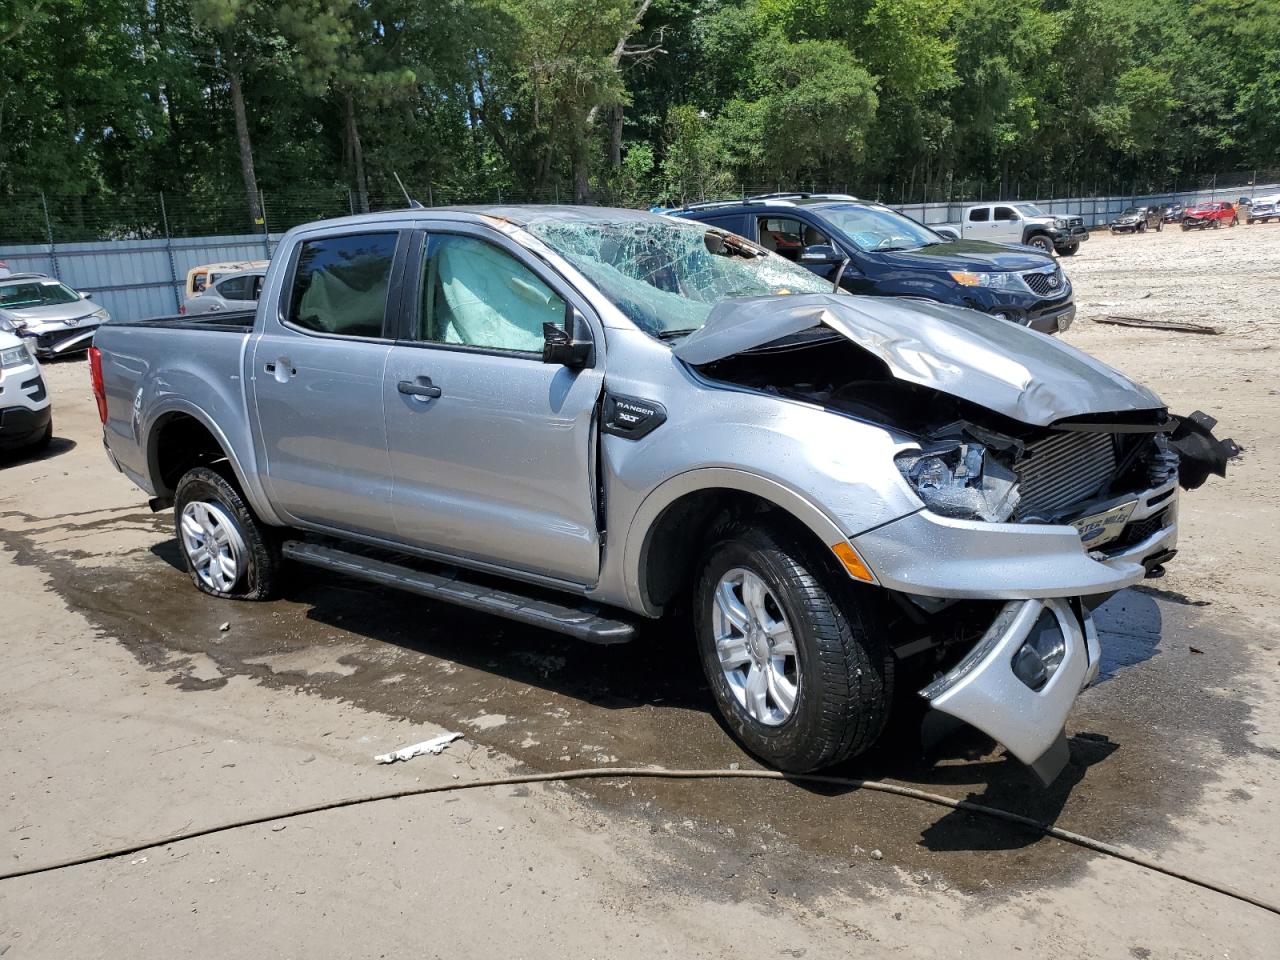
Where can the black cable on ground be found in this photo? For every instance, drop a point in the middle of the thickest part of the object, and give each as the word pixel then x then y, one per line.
pixel 606 773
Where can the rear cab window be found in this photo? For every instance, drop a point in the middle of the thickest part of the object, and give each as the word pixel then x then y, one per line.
pixel 340 284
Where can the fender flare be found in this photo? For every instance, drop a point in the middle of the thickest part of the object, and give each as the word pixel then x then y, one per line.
pixel 148 439
pixel 636 548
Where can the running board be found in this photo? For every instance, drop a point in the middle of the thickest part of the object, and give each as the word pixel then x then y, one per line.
pixel 583 623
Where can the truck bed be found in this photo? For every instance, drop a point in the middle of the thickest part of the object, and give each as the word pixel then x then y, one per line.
pixel 230 321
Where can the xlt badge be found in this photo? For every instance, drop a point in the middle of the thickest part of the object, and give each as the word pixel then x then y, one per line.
pixel 632 417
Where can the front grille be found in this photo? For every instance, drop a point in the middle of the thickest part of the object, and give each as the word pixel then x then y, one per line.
pixel 1139 530
pixel 1061 470
pixel 1044 284
pixel 1073 222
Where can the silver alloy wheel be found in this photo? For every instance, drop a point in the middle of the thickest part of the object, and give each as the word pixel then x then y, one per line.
pixel 214 546
pixel 756 647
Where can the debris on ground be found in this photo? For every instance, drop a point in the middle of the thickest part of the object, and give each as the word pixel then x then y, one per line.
pixel 433 746
pixel 1178 326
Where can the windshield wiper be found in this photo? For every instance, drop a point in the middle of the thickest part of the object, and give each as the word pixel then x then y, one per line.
pixel 672 334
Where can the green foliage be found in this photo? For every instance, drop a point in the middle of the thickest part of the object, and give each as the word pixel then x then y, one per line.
pixel 104 104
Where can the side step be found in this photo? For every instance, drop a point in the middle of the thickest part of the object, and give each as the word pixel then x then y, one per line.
pixel 584 623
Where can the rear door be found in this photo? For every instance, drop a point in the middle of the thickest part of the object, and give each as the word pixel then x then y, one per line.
pixel 318 371
pixel 493 452
pixel 978 224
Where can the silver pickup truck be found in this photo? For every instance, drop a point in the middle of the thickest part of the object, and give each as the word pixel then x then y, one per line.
pixel 585 418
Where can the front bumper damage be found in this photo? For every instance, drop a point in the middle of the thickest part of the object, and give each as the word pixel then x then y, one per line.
pixel 985 691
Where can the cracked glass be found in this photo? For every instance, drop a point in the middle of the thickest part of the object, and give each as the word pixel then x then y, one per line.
pixel 667 275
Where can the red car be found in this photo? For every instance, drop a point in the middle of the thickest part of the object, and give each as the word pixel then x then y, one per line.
pixel 1210 215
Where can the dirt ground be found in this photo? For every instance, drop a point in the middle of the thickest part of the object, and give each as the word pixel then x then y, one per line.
pixel 128 712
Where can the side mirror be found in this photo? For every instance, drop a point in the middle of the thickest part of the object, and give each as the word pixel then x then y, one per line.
pixel 946 233
pixel 559 346
pixel 820 253
pixel 86 296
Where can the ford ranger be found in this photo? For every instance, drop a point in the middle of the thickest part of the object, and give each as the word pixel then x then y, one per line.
pixel 583 418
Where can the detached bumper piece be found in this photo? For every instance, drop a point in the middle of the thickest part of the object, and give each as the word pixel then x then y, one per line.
pixel 584 622
pixel 1019 682
pixel 1200 453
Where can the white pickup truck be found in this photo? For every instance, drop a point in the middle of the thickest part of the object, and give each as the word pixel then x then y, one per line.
pixel 1023 223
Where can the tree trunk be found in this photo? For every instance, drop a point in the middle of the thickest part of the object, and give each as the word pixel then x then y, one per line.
pixel 615 139
pixel 246 150
pixel 357 156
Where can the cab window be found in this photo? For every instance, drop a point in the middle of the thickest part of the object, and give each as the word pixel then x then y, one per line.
pixel 340 284
pixel 1006 213
pixel 476 294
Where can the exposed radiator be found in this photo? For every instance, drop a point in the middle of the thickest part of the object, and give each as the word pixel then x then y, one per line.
pixel 1061 470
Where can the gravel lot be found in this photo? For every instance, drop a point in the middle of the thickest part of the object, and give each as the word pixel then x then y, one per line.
pixel 126 712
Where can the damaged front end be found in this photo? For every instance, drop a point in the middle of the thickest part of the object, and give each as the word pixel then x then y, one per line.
pixel 1047 480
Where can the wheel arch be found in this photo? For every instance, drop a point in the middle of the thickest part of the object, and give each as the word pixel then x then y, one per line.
pixel 182 437
pixel 682 511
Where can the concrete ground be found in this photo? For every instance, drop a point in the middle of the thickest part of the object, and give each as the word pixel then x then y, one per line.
pixel 127 712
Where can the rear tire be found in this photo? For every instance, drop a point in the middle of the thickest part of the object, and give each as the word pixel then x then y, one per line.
pixel 794 650
pixel 1070 251
pixel 227 551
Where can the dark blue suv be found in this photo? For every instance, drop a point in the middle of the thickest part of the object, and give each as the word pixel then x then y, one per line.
pixel 890 255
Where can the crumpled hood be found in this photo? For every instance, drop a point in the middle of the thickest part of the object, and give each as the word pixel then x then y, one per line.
pixel 1009 369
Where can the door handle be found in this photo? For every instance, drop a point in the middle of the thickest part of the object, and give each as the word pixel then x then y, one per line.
pixel 420 389
pixel 281 369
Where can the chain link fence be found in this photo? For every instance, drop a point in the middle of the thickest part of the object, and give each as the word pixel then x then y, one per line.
pixel 134 252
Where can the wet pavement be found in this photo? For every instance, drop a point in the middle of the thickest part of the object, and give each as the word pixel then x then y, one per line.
pixel 1142 740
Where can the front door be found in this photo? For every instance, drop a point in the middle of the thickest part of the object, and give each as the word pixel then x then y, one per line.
pixel 492 450
pixel 1008 225
pixel 318 372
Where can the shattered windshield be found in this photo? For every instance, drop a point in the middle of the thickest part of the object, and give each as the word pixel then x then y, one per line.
pixel 876 228
pixel 667 275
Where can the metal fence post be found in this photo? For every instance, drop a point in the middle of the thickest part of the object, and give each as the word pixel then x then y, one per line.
pixel 168 246
pixel 48 232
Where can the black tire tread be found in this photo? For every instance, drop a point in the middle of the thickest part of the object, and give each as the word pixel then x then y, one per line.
pixel 855 665
pixel 262 576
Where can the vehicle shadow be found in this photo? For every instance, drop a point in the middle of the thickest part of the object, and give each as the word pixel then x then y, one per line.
pixel 56 448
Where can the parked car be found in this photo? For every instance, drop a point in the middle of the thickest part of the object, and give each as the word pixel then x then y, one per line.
pixel 1024 223
pixel 583 418
pixel 1137 220
pixel 1264 209
pixel 26 418
pixel 58 319
pixel 233 291
pixel 200 277
pixel 1172 213
pixel 875 250
pixel 1213 214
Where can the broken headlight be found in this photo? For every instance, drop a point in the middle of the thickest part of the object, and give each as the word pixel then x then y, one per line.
pixel 962 481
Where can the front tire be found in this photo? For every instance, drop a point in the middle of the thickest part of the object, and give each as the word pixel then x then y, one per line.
pixel 1070 251
pixel 1142 228
pixel 227 551
pixel 1042 243
pixel 793 650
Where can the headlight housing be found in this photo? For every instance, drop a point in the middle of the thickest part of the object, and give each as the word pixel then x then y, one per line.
pixel 1060 223
pixel 995 281
pixel 961 480
pixel 14 357
pixel 101 315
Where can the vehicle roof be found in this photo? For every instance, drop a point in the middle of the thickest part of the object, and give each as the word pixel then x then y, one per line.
pixel 520 215
pixel 24 276
pixel 779 202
